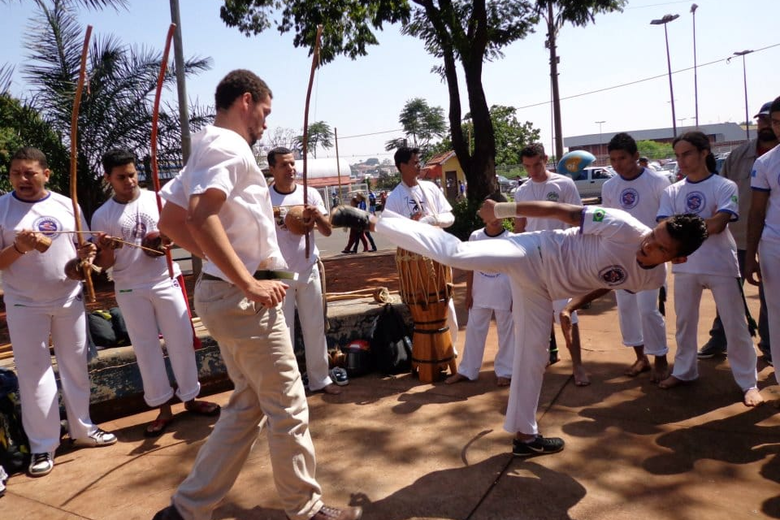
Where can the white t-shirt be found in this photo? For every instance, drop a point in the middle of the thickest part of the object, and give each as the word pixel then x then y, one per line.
pixel 557 188
pixel 715 194
pixel 38 279
pixel 424 197
pixel 601 253
pixel 293 247
pixel 766 177
pixel 491 290
pixel 221 159
pixel 132 222
pixel 641 196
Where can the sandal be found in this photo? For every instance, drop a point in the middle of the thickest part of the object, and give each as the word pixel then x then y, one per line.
pixel 157 427
pixel 205 408
pixel 339 376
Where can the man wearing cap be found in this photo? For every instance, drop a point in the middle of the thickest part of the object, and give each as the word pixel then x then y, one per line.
pixel 737 168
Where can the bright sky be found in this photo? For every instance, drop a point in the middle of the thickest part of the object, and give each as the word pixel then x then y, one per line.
pixel 365 96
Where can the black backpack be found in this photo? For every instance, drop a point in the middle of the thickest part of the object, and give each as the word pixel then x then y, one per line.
pixel 14 446
pixel 391 344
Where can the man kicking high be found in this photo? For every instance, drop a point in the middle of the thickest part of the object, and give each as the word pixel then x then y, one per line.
pixel 608 249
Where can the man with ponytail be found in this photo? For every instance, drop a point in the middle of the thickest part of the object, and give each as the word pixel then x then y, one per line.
pixel 714 266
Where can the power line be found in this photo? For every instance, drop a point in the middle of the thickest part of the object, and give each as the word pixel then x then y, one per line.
pixel 588 93
pixel 605 89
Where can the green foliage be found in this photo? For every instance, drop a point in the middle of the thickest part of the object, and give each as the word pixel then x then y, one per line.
pixel 319 134
pixel 510 134
pixel 20 125
pixel 422 124
pixel 387 182
pixel 654 149
pixel 116 108
pixel 467 221
pixel 462 32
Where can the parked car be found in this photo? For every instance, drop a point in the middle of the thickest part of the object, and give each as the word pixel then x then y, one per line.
pixel 591 179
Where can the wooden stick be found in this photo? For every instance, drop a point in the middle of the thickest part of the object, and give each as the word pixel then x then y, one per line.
pixel 338 162
pixel 155 119
pixel 74 151
pixel 315 59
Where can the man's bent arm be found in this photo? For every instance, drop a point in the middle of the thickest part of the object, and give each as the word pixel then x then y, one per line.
pixel 570 214
pixel 755 228
pixel 173 223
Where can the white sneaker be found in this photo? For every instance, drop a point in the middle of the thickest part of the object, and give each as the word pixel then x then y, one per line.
pixel 99 438
pixel 41 464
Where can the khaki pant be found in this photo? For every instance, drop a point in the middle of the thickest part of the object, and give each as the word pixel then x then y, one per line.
pixel 255 346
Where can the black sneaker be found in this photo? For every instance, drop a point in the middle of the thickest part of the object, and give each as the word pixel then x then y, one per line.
pixel 350 217
pixel 710 350
pixel 539 446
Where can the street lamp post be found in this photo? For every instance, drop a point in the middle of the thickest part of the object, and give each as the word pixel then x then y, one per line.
pixel 663 21
pixel 601 147
pixel 744 80
pixel 695 77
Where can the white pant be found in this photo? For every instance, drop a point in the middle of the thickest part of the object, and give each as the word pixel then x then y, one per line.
pixel 641 323
pixel 769 255
pixel 518 256
pixel 29 328
pixel 148 311
pixel 476 334
pixel 306 294
pixel 730 303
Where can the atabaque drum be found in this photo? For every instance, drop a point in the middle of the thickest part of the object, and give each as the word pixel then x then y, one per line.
pixel 426 287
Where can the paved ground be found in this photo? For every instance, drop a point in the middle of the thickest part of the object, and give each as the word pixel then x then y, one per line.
pixel 406 450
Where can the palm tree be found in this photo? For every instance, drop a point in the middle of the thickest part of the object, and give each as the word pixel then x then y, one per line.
pixel 116 103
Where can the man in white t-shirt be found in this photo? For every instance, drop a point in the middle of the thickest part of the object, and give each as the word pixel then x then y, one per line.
pixel 41 301
pixel 487 295
pixel 714 266
pixel 422 201
pixel 637 190
pixel 763 236
pixel 151 300
pixel 219 208
pixel 546 185
pixel 609 249
pixel 306 295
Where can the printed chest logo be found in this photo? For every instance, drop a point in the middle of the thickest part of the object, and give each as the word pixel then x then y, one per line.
pixel 414 207
pixel 613 275
pixel 489 275
pixel 135 227
pixel 553 196
pixel 695 201
pixel 47 226
pixel 629 198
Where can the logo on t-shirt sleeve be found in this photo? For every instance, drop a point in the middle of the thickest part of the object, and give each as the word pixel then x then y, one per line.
pixel 598 215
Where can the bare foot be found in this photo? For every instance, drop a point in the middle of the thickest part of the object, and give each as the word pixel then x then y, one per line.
pixel 502 381
pixel 753 397
pixel 455 378
pixel 670 382
pixel 581 377
pixel 639 366
pixel 331 389
pixel 660 369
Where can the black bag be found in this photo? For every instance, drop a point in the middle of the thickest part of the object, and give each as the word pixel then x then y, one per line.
pixel 108 328
pixel 391 344
pixel 14 445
